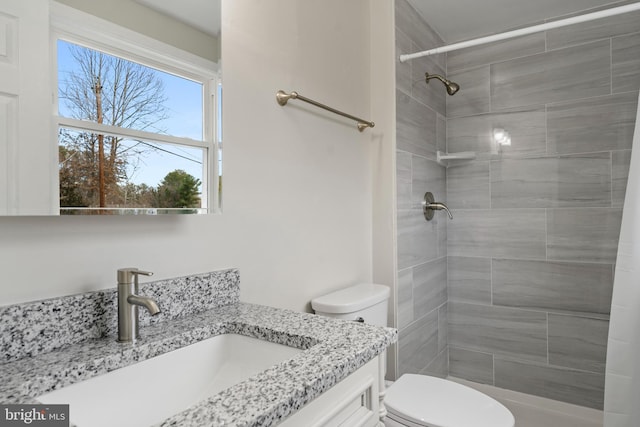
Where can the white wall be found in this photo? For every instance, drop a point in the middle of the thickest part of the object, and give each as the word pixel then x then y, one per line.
pixel 137 17
pixel 383 108
pixel 297 217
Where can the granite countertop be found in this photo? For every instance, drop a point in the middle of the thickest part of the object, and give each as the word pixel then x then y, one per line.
pixel 333 350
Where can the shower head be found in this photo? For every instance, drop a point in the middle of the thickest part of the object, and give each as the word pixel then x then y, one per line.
pixel 452 87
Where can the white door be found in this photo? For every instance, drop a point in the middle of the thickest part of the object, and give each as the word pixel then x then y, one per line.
pixel 28 153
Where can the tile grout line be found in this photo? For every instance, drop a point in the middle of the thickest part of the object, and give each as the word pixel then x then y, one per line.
pixel 547 316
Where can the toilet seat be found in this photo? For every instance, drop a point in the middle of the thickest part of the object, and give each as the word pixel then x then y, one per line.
pixel 424 401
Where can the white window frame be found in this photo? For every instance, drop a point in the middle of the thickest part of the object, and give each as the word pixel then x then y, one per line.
pixel 74 26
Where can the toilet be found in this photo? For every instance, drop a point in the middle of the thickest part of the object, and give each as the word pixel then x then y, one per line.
pixel 415 400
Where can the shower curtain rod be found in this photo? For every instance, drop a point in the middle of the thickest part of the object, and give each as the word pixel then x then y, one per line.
pixel 524 31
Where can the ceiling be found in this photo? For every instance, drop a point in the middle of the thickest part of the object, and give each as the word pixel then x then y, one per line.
pixel 201 14
pixel 454 20
pixel 458 20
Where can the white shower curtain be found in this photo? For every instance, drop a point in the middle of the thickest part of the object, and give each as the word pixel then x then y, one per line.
pixel 622 380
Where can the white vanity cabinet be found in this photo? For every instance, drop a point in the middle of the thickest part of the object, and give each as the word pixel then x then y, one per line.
pixel 354 401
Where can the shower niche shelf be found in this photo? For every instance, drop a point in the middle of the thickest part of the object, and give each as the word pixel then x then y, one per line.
pixel 445 159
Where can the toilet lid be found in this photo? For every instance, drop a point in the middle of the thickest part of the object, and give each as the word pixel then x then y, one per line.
pixel 351 299
pixel 434 402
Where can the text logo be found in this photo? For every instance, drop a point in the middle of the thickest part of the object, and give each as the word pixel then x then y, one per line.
pixel 34 415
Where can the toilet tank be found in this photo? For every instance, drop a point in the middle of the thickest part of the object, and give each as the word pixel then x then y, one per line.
pixel 364 301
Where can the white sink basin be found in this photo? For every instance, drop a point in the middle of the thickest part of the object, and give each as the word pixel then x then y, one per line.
pixel 148 392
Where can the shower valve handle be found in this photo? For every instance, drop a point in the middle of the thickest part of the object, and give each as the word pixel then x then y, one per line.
pixel 429 205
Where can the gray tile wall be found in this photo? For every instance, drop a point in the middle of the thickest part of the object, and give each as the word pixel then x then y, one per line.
pixel 422 246
pixel 536 224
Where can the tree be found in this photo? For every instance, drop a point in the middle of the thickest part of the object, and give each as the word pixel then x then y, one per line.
pixel 110 90
pixel 137 196
pixel 70 179
pixel 179 190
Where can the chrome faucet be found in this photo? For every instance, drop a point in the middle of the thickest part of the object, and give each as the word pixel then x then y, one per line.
pixel 128 302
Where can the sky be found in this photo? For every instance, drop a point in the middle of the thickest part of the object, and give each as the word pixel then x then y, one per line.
pixel 184 106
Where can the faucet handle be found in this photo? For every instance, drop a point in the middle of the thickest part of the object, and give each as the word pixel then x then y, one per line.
pixel 128 275
pixel 429 205
pixel 137 273
pixel 144 273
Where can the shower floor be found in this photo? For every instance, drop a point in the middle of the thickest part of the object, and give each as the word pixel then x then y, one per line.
pixel 534 411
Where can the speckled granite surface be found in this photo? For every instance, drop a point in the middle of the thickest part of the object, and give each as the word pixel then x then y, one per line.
pixel 38 327
pixel 333 350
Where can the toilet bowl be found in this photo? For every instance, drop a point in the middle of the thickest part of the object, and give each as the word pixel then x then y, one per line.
pixel 415 400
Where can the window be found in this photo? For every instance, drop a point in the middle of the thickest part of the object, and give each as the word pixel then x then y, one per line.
pixel 138 123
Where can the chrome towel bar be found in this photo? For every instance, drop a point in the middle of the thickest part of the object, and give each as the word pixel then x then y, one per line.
pixel 282 97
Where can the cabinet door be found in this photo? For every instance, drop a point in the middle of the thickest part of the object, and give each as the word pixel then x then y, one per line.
pixel 352 402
